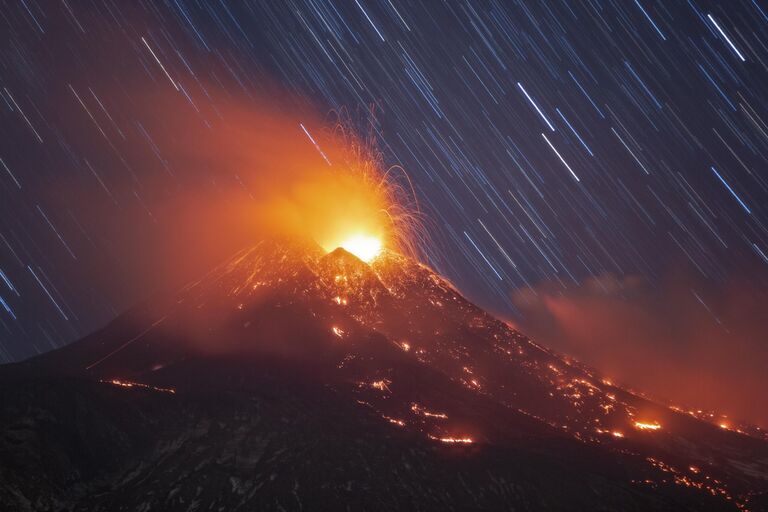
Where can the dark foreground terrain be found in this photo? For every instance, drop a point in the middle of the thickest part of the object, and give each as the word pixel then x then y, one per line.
pixel 286 379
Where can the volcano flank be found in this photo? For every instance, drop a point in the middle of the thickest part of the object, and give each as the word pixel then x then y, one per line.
pixel 289 378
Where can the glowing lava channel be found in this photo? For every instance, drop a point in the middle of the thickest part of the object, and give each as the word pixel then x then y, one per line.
pixel 641 425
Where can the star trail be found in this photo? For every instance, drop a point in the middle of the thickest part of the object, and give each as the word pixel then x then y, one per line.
pixel 548 142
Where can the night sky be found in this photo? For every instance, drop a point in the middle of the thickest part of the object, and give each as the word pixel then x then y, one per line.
pixel 555 146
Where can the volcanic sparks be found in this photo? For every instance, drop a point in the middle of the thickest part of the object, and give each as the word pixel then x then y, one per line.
pixel 365 206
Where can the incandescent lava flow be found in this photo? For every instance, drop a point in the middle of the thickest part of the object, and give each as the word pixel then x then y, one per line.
pixel 291 377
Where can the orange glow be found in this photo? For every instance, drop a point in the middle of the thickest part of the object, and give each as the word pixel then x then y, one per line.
pixel 338 332
pixel 641 425
pixel 616 433
pixel 340 194
pixel 355 203
pixel 337 208
pixel 297 174
pixel 365 247
pixel 346 211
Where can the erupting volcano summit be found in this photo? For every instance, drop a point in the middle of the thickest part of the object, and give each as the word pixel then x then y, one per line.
pixel 294 378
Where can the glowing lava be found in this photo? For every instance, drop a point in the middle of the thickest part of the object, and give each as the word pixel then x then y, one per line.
pixel 453 440
pixel 364 247
pixel 129 384
pixel 641 425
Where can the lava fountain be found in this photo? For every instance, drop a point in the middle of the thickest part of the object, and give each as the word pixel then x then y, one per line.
pixel 355 202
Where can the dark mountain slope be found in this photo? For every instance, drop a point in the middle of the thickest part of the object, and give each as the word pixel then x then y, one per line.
pixel 287 379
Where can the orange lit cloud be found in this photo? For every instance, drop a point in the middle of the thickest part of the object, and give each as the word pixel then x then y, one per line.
pixel 682 341
pixel 288 171
pixel 194 184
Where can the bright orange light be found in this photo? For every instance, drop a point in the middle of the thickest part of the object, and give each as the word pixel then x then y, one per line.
pixel 365 247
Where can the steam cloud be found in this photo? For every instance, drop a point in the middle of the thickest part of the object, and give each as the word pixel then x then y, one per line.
pixel 680 341
pixel 210 178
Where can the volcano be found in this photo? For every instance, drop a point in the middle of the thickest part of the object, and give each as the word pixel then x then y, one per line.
pixel 291 379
